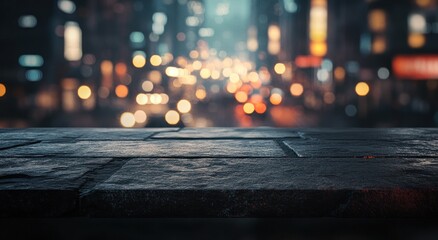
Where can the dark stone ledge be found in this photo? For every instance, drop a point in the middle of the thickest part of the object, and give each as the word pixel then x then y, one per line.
pixel 218 172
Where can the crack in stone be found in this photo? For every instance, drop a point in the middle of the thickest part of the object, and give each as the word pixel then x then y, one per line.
pixel 287 150
pixel 98 175
pixel 20 145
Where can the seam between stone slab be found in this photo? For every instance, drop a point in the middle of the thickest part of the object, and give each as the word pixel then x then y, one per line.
pixel 20 145
pixel 287 150
pixel 101 174
pixel 155 133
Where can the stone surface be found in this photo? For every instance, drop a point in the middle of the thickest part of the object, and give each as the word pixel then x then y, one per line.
pixel 5 144
pixel 229 133
pixel 219 172
pixel 84 134
pixel 360 148
pixel 46 173
pixel 153 148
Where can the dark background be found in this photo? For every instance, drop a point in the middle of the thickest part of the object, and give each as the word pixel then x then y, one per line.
pixel 235 63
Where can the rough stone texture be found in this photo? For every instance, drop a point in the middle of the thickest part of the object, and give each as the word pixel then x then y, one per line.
pixel 153 148
pixel 229 133
pixel 219 172
pixel 78 134
pixel 361 148
pixel 5 144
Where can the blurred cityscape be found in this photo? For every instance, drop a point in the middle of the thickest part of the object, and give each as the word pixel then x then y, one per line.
pixel 205 63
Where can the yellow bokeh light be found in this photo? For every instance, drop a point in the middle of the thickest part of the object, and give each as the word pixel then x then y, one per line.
pixel 416 40
pixel 276 99
pixel 201 94
pixel 127 120
pixel 248 108
pixel 231 87
pixel 84 92
pixel 172 72
pixel 205 73
pixel 122 91
pixel 172 117
pixel 156 60
pixel 296 89
pixel 280 68
pixel 197 65
pixel 318 49
pixel 142 99
pixel 184 106
pixel 241 96
pixel 2 90
pixel 155 98
pixel 362 89
pixel 140 116
pixel 138 61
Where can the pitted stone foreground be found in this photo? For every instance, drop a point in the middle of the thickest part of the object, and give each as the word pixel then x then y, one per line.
pixel 219 172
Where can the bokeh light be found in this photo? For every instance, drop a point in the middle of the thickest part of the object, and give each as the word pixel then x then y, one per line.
pixel 184 106
pixel 127 120
pixel 296 89
pixel 84 92
pixel 122 91
pixel 362 89
pixel 172 117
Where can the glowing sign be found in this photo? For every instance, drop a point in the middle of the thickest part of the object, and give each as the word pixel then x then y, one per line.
pixel 416 67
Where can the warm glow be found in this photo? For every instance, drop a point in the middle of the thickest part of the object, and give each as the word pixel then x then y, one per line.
pixel 424 3
pixel 142 99
pixel 106 67
pixel 339 73
pixel 122 91
pixel 172 72
pixel 2 90
pixel 296 89
pixel 260 108
pixel 241 96
pixel 156 60
pixel 84 92
pixel 377 20
pixel 197 65
pixel 231 87
pixel 138 61
pixel 147 86
pixel 127 120
pixel 205 73
pixel 121 69
pixel 156 98
pixel 276 99
pixel 248 108
pixel 318 28
pixel 362 89
pixel 379 45
pixel 155 77
pixel 184 106
pixel 72 41
pixel 274 33
pixel 140 116
pixel 280 68
pixel 318 49
pixel 172 117
pixel 201 94
pixel 416 40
